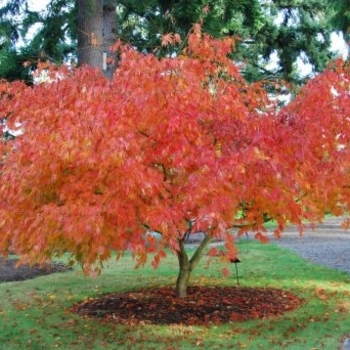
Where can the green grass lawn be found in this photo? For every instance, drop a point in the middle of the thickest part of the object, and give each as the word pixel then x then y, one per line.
pixel 34 314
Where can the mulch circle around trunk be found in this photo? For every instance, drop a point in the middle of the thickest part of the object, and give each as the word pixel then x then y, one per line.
pixel 202 306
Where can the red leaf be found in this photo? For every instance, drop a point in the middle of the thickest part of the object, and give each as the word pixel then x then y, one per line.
pixel 213 251
pixel 226 272
pixel 262 238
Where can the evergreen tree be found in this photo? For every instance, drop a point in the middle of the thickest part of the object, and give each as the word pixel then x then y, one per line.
pixel 289 28
pixel 341 17
pixel 10 59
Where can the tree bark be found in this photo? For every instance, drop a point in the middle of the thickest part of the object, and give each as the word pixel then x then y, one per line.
pixel 97 20
pixel 90 22
pixel 186 266
pixel 109 36
pixel 184 272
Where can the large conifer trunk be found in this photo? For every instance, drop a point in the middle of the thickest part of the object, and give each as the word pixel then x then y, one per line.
pixel 109 35
pixel 97 22
pixel 90 23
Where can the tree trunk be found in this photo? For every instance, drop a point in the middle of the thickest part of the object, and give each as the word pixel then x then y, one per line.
pixel 109 36
pixel 90 21
pixel 184 272
pixel 186 266
pixel 97 20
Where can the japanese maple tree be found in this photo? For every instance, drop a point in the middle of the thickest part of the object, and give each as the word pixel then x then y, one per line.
pixel 172 145
pixel 319 118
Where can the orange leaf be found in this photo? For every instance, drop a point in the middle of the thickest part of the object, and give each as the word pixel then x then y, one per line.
pixel 226 272
pixel 167 39
pixel 262 238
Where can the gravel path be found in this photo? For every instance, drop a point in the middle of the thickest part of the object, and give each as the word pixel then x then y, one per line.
pixel 328 244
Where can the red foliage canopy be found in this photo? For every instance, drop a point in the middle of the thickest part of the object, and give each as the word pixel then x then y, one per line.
pixel 166 141
pixel 320 120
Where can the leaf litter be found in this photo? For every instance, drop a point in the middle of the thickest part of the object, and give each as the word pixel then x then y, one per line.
pixel 202 306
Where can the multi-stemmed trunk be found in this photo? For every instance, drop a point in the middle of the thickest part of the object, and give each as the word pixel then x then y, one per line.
pixel 187 265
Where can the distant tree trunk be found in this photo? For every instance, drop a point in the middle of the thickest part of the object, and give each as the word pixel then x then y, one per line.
pixel 90 21
pixel 96 33
pixel 186 265
pixel 109 36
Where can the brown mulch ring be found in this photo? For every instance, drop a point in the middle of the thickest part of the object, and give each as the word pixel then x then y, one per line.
pixel 9 271
pixel 203 306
